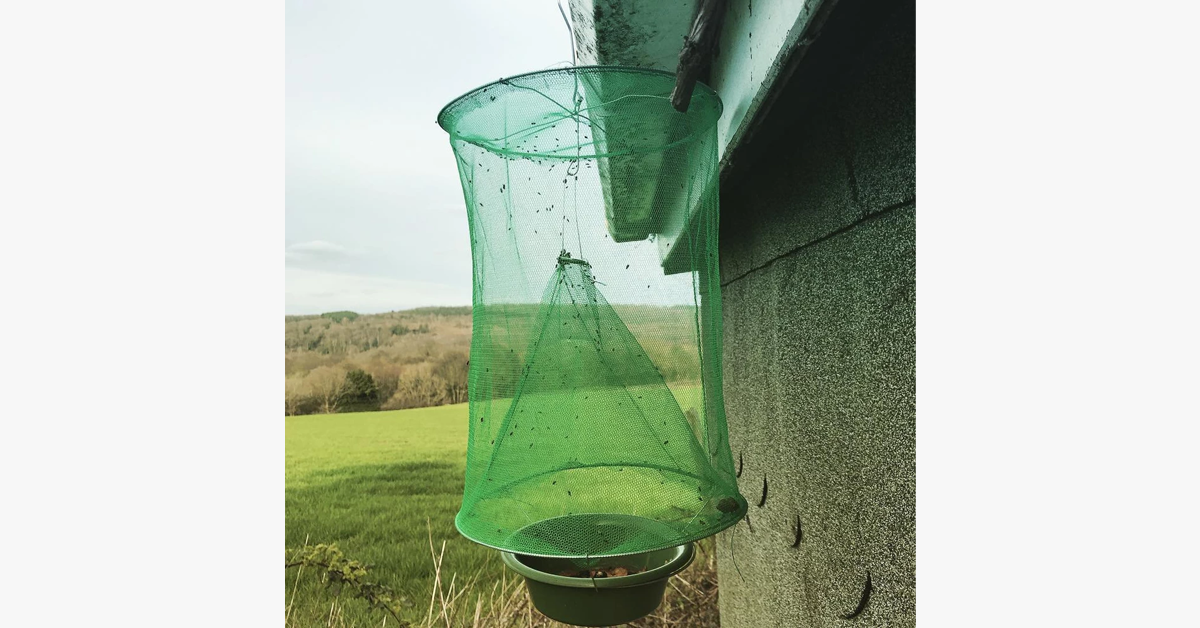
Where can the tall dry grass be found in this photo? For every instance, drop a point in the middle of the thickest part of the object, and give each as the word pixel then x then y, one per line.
pixel 454 602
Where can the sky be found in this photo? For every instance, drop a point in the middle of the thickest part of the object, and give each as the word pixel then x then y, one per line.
pixel 375 219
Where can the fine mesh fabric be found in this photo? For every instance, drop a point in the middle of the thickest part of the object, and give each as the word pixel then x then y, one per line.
pixel 597 423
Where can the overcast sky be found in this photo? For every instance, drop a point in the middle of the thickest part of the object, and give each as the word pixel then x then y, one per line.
pixel 375 218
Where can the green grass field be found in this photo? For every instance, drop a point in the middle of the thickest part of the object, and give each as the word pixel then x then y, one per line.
pixel 376 483
pixel 368 482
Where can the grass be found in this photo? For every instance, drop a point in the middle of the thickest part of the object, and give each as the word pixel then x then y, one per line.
pixel 385 486
pixel 369 482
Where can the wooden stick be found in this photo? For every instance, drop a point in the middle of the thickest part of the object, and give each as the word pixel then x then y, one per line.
pixel 697 51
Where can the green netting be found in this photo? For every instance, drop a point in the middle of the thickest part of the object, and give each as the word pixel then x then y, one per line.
pixel 597 423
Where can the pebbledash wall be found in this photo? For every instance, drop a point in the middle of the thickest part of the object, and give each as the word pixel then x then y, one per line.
pixel 818 274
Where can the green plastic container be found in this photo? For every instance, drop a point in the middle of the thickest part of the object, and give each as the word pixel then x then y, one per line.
pixel 599 601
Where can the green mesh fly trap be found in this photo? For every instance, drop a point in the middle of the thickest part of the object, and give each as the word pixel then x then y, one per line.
pixel 597 422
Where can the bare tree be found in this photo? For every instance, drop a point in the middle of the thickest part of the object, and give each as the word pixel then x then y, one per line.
pixel 294 392
pixel 453 370
pixel 326 384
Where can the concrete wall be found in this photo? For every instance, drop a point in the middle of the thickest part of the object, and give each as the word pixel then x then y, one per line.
pixel 818 272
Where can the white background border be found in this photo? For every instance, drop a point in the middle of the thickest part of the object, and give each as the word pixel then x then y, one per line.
pixel 141 195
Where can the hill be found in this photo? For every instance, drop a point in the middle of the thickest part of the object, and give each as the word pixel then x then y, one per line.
pixel 344 361
pixel 349 362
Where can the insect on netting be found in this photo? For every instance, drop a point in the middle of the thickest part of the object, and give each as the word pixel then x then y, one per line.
pixel 597 422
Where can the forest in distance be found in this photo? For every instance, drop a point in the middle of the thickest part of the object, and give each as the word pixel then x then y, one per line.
pixel 348 362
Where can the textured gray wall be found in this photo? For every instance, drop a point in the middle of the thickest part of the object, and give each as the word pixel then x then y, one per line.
pixel 818 272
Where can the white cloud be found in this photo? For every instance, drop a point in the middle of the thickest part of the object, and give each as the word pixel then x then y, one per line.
pixel 315 291
pixel 315 250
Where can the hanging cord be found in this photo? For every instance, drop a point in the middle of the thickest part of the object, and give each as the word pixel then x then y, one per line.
pixel 578 237
pixel 570 31
pixel 573 168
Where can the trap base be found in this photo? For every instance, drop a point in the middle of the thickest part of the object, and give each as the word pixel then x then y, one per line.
pixel 599 601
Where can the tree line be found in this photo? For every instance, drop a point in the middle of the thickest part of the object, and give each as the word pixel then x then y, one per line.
pixel 349 362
